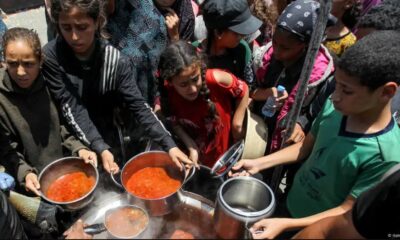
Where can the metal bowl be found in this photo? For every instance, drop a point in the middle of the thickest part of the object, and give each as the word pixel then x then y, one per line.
pixel 61 167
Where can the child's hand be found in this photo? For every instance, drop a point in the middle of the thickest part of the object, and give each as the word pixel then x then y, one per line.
pixel 108 162
pixel 172 22
pixel 194 154
pixel 281 98
pixel 298 134
pixel 179 157
pixel 88 156
pixel 32 184
pixel 269 228
pixel 244 167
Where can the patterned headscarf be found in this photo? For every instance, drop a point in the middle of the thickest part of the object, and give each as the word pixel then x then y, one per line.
pixel 300 17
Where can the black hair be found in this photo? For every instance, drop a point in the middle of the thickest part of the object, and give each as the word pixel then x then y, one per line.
pixel 382 17
pixel 375 59
pixel 30 36
pixel 95 9
pixel 352 15
pixel 176 57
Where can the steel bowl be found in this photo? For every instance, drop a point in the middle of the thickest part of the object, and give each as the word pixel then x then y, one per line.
pixel 159 206
pixel 61 167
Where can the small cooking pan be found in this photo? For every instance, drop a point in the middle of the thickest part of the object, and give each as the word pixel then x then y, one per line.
pixel 123 222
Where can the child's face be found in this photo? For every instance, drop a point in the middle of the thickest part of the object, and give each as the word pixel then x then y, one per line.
pixel 352 98
pixel 286 49
pixel 78 29
pixel 188 82
pixel 229 39
pixel 22 63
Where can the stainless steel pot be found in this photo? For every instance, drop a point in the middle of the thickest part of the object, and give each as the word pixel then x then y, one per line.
pixel 241 201
pixel 61 167
pixel 161 206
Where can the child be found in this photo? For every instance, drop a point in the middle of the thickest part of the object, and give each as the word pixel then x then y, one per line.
pixel 199 102
pixel 28 116
pixel 89 78
pixel 348 149
pixel 227 22
pixel 280 63
pixel 179 18
pixel 339 36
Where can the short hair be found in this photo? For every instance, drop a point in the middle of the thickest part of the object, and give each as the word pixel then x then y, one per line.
pixel 375 59
pixel 382 17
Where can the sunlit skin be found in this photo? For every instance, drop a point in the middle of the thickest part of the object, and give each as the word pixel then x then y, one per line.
pixel 287 49
pixel 78 29
pixel 188 82
pixel 22 63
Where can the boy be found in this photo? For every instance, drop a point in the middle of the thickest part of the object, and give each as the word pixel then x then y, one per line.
pixel 348 149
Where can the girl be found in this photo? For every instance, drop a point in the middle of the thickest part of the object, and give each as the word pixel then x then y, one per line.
pixel 199 102
pixel 89 78
pixel 179 18
pixel 280 63
pixel 227 22
pixel 339 36
pixel 28 116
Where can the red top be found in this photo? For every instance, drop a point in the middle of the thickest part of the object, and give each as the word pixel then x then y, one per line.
pixel 211 136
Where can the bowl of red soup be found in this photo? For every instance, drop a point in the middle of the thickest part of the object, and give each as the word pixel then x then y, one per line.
pixel 69 182
pixel 152 181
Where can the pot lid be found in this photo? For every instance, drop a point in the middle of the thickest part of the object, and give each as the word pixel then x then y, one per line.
pixel 228 159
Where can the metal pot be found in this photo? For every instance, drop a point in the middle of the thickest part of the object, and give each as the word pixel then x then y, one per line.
pixel 204 183
pixel 161 206
pixel 61 167
pixel 241 201
pixel 101 227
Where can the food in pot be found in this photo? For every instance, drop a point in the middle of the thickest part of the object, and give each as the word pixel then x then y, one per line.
pixel 70 187
pixel 180 234
pixel 152 183
pixel 126 222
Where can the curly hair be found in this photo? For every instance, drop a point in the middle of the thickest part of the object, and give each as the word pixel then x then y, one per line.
pixel 375 59
pixel 30 36
pixel 382 17
pixel 95 9
pixel 352 15
pixel 176 57
pixel 268 13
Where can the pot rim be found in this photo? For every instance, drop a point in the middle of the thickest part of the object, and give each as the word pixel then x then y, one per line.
pixel 43 195
pixel 124 206
pixel 243 213
pixel 152 199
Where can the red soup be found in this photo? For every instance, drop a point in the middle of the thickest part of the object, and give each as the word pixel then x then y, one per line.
pixel 70 187
pixel 152 183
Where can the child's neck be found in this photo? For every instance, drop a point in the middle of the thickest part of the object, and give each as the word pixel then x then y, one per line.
pixel 369 122
pixel 337 31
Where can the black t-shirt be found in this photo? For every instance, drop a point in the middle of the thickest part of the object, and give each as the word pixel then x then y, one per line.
pixel 376 213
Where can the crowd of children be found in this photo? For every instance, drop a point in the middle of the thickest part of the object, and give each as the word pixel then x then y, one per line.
pixel 141 64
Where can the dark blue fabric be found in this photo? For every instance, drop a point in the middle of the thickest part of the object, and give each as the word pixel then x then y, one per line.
pixel 138 30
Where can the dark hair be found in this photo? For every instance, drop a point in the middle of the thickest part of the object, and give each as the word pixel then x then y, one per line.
pixel 176 57
pixel 268 14
pixel 30 36
pixel 375 59
pixel 352 15
pixel 95 9
pixel 382 17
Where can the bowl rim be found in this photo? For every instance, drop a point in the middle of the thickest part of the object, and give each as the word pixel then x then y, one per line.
pixel 43 195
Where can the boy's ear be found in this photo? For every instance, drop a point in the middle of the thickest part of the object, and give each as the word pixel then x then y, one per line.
pixel 389 90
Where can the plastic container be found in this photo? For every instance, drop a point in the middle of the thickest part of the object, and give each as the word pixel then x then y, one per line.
pixel 269 108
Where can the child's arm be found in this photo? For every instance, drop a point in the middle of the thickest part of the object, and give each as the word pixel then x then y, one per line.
pixel 189 143
pixel 272 227
pixel 238 117
pixel 261 94
pixel 294 153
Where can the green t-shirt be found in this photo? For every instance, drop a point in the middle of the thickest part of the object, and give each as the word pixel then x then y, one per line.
pixel 341 164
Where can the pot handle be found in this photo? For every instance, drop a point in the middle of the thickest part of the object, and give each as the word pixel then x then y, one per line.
pixel 115 181
pixel 189 174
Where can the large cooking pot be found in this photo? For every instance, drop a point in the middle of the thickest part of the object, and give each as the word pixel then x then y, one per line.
pixel 241 201
pixel 159 206
pixel 61 167
pixel 204 183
